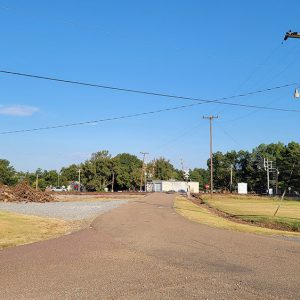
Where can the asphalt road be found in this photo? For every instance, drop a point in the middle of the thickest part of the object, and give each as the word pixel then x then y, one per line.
pixel 144 250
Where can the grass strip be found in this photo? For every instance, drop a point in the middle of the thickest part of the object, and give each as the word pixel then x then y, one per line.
pixel 202 215
pixel 258 210
pixel 18 229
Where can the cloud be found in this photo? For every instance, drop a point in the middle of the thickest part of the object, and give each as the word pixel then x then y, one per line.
pixel 18 110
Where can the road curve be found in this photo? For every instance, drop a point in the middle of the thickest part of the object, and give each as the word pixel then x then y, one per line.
pixel 145 250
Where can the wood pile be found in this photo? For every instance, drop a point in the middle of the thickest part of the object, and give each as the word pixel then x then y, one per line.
pixel 23 192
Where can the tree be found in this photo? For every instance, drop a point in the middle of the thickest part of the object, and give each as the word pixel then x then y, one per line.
pixel 249 167
pixel 164 170
pixel 7 173
pixel 127 170
pixel 97 172
pixel 221 168
pixel 30 177
pixel 68 174
pixel 200 175
pixel 289 167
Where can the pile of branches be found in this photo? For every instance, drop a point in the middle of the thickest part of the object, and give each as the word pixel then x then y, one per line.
pixel 23 192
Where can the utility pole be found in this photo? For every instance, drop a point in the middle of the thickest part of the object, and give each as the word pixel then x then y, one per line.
pixel 37 181
pixel 181 162
pixel 58 174
pixel 277 174
pixel 186 176
pixel 142 171
pixel 268 165
pixel 79 185
pixel 210 118
pixel 113 181
pixel 231 171
pixel 268 177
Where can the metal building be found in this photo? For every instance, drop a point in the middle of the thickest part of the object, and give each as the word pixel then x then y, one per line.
pixel 172 185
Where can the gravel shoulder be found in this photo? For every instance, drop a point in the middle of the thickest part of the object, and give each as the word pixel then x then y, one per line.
pixel 68 211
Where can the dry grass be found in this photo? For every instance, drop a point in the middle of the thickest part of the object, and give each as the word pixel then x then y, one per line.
pixel 95 198
pixel 17 229
pixel 202 215
pixel 251 205
pixel 258 209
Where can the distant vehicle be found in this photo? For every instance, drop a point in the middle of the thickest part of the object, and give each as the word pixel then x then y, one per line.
pixel 171 192
pixel 59 189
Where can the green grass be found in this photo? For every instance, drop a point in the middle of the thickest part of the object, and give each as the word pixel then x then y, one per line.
pixel 202 215
pixel 258 210
pixel 17 229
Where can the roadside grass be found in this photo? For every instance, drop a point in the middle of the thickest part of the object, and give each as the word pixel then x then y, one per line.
pixel 17 229
pixel 202 215
pixel 258 210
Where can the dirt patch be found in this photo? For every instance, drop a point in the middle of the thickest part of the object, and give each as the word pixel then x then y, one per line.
pixel 271 224
pixel 91 197
pixel 23 192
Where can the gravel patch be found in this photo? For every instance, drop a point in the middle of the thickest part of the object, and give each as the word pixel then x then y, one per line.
pixel 69 211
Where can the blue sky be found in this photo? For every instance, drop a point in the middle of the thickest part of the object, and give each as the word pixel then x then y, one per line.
pixel 205 49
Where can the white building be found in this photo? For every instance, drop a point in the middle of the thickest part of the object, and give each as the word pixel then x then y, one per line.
pixel 242 188
pixel 172 185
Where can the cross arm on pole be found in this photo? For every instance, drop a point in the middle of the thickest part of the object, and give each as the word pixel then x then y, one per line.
pixel 292 35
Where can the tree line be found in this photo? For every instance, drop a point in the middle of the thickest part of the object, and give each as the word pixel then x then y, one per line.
pixel 123 171
pixel 101 171
pixel 249 167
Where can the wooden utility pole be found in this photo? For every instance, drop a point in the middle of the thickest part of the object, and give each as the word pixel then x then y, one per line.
pixel 142 171
pixel 210 118
pixel 79 173
pixel 231 171
pixel 113 181
pixel 37 182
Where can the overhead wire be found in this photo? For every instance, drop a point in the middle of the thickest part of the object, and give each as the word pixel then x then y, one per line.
pixel 128 116
pixel 281 66
pixel 99 120
pixel 251 112
pixel 267 82
pixel 258 67
pixel 200 102
pixel 254 71
pixel 263 63
pixel 219 100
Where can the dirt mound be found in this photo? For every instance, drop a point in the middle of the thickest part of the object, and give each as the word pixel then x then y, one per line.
pixel 23 192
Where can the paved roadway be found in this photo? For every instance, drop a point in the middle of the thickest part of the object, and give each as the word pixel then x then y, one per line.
pixel 144 250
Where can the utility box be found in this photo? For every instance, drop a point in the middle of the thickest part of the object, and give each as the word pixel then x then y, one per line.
pixel 242 188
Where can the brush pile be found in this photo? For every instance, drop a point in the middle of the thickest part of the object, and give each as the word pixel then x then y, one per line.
pixel 23 192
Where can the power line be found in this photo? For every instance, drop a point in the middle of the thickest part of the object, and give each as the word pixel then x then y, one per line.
pixel 135 115
pixel 258 67
pixel 200 102
pixel 100 120
pixel 219 100
pixel 253 72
